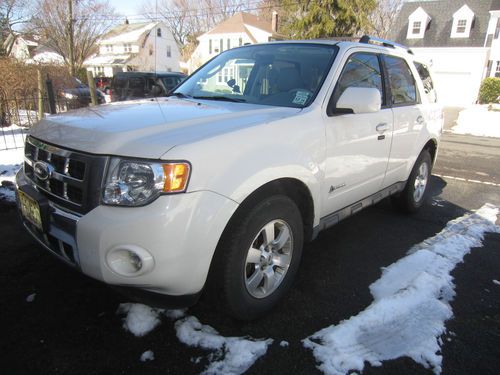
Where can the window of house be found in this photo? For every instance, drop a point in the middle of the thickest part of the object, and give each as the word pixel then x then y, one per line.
pixel 417 25
pixel 228 43
pixel 169 51
pixel 240 41
pixel 158 32
pixel 461 26
pixel 127 47
pixel 497 30
pixel 109 48
pixel 361 70
pixel 497 72
pixel 221 45
pixel 402 83
pixel 210 46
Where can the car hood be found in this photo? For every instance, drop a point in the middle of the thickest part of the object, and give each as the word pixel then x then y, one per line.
pixel 149 128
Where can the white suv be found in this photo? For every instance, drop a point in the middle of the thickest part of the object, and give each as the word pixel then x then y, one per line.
pixel 221 183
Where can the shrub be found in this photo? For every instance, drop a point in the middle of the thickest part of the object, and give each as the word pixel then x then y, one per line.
pixel 489 91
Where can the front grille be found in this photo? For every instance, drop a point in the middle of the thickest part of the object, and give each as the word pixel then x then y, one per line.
pixel 74 179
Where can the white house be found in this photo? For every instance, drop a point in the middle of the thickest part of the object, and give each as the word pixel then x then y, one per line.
pixel 240 29
pixel 30 50
pixel 147 46
pixel 458 38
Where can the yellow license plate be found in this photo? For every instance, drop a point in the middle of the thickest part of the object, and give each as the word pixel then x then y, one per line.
pixel 30 209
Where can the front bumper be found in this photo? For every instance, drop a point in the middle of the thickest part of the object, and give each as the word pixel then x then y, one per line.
pixel 179 231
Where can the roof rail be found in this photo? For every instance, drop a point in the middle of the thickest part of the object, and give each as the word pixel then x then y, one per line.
pixel 383 42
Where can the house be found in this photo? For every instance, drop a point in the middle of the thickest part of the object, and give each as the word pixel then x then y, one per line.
pixel 458 38
pixel 238 30
pixel 30 49
pixel 147 46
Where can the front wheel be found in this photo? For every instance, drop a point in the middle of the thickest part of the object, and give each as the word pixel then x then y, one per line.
pixel 413 195
pixel 259 256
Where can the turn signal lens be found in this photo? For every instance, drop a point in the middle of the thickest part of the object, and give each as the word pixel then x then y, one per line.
pixel 176 177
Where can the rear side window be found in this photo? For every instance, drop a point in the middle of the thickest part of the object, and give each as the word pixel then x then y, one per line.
pixel 402 83
pixel 361 70
pixel 136 83
pixel 429 90
pixel 119 82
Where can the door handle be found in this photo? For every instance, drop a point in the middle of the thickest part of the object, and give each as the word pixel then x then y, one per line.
pixel 382 127
pixel 420 120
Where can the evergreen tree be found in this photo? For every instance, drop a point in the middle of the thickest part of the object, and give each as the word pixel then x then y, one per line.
pixel 310 19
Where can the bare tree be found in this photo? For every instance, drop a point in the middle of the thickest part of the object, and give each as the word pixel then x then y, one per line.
pixel 13 13
pixel 383 18
pixel 189 18
pixel 51 22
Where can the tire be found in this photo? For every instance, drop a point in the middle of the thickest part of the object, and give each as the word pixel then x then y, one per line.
pixel 414 193
pixel 258 257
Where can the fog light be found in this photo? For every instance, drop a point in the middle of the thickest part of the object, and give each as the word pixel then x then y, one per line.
pixel 129 260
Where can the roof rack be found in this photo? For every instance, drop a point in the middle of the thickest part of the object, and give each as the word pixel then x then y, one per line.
pixel 383 42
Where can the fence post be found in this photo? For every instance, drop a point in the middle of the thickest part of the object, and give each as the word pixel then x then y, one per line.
pixel 50 95
pixel 91 82
pixel 40 95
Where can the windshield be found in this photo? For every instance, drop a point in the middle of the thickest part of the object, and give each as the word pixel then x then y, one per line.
pixel 288 75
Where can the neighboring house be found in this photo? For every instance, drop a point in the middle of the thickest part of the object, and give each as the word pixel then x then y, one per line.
pixel 240 29
pixel 30 50
pixel 147 46
pixel 458 38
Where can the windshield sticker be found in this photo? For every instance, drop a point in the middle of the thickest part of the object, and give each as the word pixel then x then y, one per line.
pixel 301 97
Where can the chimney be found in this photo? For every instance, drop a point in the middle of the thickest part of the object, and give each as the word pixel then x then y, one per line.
pixel 274 22
pixel 126 21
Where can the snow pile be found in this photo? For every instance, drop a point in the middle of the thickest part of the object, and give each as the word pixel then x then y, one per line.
pixel 231 355
pixel 10 162
pixel 31 297
pixel 46 58
pixel 478 121
pixel 228 355
pixel 148 355
pixel 411 304
pixel 284 344
pixel 496 282
pixel 139 319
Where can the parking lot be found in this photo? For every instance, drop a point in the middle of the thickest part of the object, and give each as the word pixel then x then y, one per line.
pixel 57 321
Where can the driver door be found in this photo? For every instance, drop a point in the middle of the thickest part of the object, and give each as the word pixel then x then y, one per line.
pixel 358 145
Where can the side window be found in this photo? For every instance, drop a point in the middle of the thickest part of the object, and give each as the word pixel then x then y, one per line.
pixel 429 90
pixel 361 70
pixel 403 89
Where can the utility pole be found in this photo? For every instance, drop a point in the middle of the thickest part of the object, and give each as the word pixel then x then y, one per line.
pixel 70 39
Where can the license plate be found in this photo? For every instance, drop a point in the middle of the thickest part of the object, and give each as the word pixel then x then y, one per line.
pixel 30 209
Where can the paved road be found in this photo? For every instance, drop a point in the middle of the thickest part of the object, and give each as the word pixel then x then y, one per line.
pixel 71 327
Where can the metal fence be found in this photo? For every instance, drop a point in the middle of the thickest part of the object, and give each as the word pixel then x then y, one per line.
pixel 20 110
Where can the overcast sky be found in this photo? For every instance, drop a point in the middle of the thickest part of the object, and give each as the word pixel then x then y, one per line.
pixel 127 7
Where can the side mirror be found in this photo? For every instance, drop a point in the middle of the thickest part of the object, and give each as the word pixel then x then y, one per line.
pixel 359 100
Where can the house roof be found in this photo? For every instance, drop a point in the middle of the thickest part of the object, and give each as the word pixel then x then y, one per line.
pixel 439 28
pixel 127 33
pixel 239 22
pixel 97 60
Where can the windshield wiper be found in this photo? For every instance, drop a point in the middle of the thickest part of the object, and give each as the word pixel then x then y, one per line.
pixel 223 98
pixel 179 95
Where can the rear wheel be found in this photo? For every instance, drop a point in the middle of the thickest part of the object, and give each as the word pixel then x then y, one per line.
pixel 259 256
pixel 413 195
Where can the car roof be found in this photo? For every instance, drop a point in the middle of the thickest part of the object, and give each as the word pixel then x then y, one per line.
pixel 147 74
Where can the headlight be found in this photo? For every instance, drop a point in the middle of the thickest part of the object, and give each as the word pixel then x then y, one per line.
pixel 136 183
pixel 69 95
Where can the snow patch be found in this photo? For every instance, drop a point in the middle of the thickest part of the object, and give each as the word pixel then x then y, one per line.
pixel 10 162
pixel 496 282
pixel 139 319
pixel 411 304
pixel 148 355
pixel 230 355
pixel 175 314
pixel 284 344
pixel 31 297
pixel 478 121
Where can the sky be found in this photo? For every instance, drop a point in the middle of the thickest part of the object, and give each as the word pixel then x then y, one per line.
pixel 127 7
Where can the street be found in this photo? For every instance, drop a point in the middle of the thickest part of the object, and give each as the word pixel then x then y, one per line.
pixel 71 325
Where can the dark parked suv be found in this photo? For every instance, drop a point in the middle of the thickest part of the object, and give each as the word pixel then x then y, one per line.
pixel 135 85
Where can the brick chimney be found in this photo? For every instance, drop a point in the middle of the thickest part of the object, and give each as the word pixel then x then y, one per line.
pixel 274 22
pixel 126 21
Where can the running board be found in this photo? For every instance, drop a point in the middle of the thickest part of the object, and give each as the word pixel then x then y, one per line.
pixel 335 217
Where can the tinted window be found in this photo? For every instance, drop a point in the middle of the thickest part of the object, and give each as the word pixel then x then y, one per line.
pixel 402 83
pixel 361 70
pixel 429 90
pixel 119 82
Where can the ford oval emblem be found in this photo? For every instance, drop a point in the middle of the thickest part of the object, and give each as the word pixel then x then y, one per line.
pixel 42 170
